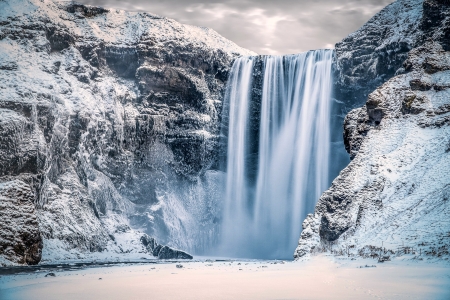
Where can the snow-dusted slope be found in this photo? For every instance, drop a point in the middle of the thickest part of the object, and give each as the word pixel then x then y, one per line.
pixel 102 114
pixel 393 197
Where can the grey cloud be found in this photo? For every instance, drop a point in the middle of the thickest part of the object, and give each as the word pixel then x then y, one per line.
pixel 266 27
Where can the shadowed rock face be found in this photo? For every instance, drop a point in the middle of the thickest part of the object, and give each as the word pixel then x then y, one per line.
pixel 396 185
pixel 110 119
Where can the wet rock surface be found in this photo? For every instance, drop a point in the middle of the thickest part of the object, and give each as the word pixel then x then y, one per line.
pixel 111 119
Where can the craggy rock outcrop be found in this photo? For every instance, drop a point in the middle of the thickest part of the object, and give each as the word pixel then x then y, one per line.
pixel 373 54
pixel 376 52
pixel 169 253
pixel 367 58
pixel 111 121
pixel 162 252
pixel 394 193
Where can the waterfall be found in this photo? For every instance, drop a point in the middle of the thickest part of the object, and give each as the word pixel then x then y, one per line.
pixel 276 173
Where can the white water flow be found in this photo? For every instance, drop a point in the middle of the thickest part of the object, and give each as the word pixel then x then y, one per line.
pixel 268 198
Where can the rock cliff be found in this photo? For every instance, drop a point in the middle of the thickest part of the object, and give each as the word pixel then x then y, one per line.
pixel 108 127
pixel 392 198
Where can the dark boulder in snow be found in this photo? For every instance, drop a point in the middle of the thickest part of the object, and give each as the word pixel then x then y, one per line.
pixel 155 251
pixel 169 253
pixel 20 238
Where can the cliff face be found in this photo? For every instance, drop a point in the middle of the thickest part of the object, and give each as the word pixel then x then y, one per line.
pixel 366 59
pixel 374 53
pixel 393 196
pixel 108 125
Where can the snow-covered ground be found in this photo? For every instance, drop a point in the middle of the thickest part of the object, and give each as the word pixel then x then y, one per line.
pixel 322 277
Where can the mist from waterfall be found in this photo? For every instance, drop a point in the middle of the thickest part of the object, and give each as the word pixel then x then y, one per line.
pixel 278 154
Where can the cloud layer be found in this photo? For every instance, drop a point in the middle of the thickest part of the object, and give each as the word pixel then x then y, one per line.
pixel 266 27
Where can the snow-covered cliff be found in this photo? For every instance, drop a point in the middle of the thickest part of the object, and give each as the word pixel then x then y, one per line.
pixel 108 125
pixel 393 197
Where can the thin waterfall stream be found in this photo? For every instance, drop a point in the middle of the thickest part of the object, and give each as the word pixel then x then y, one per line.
pixel 277 166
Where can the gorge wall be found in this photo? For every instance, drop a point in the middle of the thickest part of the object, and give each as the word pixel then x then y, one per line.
pixel 109 124
pixel 110 134
pixel 392 198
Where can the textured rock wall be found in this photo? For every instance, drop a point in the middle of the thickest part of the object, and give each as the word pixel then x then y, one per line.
pixel 373 54
pixel 392 197
pixel 21 240
pixel 367 58
pixel 111 120
pixel 376 52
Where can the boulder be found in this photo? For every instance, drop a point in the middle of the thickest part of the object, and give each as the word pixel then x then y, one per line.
pixel 169 253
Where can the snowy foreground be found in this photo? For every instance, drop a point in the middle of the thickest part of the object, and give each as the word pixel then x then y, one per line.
pixel 322 277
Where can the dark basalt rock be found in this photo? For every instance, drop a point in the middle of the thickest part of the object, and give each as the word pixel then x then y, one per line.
pixel 59 38
pixel 149 242
pixel 169 253
pixel 123 60
pixel 156 250
pixel 9 65
pixel 85 10
pixel 161 251
pixel 330 232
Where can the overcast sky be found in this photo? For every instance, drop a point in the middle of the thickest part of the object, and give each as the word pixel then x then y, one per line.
pixel 266 27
